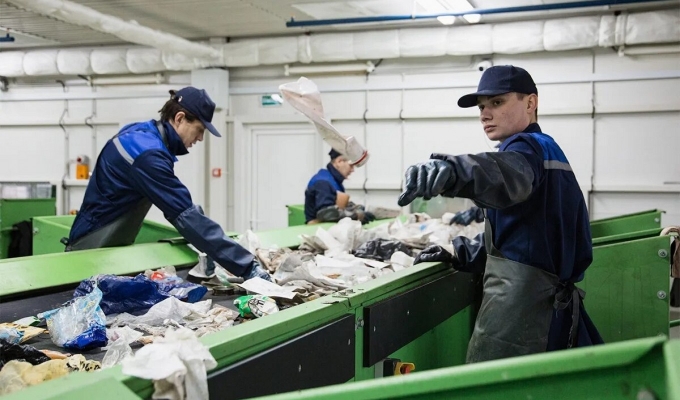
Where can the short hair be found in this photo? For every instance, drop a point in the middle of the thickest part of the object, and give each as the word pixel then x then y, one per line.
pixel 172 107
pixel 521 96
pixel 334 154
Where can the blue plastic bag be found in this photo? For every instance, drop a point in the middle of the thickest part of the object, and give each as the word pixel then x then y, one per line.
pixel 80 324
pixel 183 290
pixel 11 335
pixel 138 294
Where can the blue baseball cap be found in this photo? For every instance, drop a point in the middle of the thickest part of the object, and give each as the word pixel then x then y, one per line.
pixel 198 103
pixel 500 79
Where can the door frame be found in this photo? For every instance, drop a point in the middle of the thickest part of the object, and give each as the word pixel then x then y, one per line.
pixel 244 165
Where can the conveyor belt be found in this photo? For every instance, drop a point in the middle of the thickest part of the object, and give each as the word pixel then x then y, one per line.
pixel 31 306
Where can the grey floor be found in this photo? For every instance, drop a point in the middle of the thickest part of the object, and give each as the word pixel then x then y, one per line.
pixel 675 314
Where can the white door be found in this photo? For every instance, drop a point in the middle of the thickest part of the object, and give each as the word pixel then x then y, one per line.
pixel 284 158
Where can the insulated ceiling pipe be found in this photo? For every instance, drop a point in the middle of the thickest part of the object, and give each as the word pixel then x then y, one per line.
pixel 502 10
pixel 77 14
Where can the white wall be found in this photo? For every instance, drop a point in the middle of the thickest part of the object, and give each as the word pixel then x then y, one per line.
pixel 617 119
pixel 33 146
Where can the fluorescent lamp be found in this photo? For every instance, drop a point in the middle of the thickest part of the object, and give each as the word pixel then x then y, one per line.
pixel 449 6
pixel 473 18
pixel 366 67
pixel 447 19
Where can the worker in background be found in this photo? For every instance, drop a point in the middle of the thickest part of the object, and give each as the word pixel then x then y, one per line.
pixel 537 240
pixel 135 169
pixel 325 197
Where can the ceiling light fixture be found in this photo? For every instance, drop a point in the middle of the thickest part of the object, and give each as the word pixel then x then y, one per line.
pixel 447 19
pixel 449 6
pixel 472 18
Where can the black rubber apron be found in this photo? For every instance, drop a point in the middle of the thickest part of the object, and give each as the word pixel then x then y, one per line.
pixel 517 306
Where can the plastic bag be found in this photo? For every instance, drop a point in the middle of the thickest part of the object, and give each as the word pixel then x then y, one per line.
pixel 250 241
pixel 119 345
pixel 305 97
pixel 381 249
pixel 11 335
pixel 349 233
pixel 168 309
pixel 78 325
pixel 16 333
pixel 183 290
pixel 256 306
pixel 10 351
pixel 161 273
pixel 138 294
pixel 400 261
pixel 177 363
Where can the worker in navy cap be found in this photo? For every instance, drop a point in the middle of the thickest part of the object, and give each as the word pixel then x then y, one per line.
pixel 135 169
pixel 537 242
pixel 325 197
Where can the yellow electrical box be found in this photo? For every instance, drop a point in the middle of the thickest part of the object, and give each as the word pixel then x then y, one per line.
pixel 83 167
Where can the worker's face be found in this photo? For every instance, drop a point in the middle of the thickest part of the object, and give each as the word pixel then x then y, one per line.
pixel 343 166
pixel 504 115
pixel 189 131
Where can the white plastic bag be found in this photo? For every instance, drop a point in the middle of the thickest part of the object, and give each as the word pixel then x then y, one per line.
pixel 119 345
pixel 177 363
pixel 304 96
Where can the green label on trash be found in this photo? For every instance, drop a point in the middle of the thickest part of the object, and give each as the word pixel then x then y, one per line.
pixel 255 306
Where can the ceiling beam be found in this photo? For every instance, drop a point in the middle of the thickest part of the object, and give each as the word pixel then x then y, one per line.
pixel 77 14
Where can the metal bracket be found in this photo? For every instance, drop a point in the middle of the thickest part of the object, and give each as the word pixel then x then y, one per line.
pixel 175 240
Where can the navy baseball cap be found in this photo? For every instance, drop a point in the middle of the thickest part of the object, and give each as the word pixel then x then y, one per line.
pixel 198 103
pixel 500 79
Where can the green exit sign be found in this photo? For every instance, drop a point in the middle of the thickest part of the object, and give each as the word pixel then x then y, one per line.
pixel 271 100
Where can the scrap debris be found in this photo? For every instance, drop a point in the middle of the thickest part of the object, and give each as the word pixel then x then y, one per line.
pixel 135 332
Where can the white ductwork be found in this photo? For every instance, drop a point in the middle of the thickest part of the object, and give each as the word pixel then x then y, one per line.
pixel 77 14
pixel 510 38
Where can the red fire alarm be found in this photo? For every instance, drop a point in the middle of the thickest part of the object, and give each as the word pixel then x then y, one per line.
pixel 216 172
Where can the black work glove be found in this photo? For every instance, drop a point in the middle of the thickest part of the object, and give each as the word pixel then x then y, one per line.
pixel 358 213
pixel 427 180
pixel 368 217
pixel 435 253
pixel 466 217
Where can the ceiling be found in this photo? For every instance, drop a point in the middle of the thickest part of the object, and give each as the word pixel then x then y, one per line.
pixel 204 19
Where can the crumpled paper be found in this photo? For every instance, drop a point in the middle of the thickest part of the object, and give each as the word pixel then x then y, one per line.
pixel 177 364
